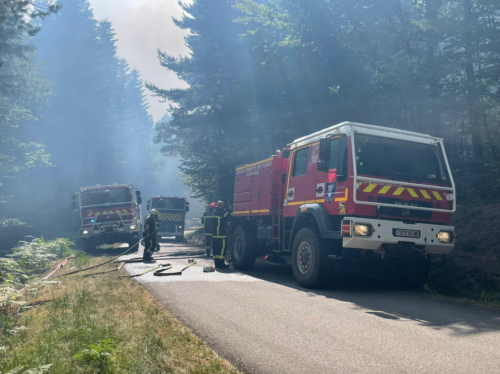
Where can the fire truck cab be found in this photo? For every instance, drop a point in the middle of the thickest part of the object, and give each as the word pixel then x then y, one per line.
pixel 172 217
pixel 376 197
pixel 108 214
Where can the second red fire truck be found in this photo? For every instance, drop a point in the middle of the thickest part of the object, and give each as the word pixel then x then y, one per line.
pixel 108 214
pixel 375 197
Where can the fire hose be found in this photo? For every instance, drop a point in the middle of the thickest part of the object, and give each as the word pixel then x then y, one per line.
pixel 160 270
pixel 105 272
pixel 105 262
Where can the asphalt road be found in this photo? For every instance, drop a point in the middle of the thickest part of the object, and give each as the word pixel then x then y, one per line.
pixel 264 323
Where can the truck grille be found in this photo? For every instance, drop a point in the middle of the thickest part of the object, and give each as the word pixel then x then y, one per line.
pixel 403 211
pixel 166 226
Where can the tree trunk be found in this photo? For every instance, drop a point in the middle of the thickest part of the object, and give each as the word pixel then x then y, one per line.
pixel 471 86
pixel 434 123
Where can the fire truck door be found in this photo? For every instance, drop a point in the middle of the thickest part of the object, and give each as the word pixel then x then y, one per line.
pixel 324 185
pixel 297 180
pixel 337 189
pixel 315 189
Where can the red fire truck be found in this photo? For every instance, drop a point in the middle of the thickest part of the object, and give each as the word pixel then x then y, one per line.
pixel 172 217
pixel 357 195
pixel 108 215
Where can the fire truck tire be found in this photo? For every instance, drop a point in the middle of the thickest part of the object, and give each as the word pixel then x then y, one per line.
pixel 411 273
pixel 309 258
pixel 243 247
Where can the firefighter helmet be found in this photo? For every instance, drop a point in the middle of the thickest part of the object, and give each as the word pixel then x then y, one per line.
pixel 212 205
pixel 154 212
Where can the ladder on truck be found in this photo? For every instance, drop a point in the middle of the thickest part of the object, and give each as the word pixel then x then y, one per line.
pixel 276 211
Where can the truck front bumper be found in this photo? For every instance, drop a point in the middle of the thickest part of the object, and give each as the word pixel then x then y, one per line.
pixel 384 234
pixel 111 232
pixel 176 233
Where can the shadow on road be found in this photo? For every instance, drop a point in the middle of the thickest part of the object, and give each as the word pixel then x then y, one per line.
pixel 390 303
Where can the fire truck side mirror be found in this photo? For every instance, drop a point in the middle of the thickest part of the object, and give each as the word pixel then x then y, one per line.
pixel 324 149
pixel 139 197
pixel 149 203
pixel 187 208
pixel 73 205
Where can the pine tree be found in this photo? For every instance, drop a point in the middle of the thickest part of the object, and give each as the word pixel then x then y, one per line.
pixel 210 130
pixel 272 71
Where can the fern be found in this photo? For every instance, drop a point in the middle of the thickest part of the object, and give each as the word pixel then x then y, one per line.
pixel 26 261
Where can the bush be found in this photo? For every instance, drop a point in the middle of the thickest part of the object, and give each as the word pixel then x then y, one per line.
pixel 97 357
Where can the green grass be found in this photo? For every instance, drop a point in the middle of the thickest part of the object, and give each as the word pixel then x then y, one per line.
pixel 102 324
pixel 482 298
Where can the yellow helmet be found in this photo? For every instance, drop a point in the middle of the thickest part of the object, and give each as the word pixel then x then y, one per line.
pixel 154 212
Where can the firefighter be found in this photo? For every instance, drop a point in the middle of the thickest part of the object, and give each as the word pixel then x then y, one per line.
pixel 149 234
pixel 207 223
pixel 219 234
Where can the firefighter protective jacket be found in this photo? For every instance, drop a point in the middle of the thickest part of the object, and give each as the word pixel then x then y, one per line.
pixel 208 220
pixel 151 221
pixel 220 219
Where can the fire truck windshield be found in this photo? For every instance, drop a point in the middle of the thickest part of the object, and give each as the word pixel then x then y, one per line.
pixel 164 203
pixel 107 196
pixel 400 160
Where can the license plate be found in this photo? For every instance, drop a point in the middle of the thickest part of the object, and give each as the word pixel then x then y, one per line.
pixel 406 233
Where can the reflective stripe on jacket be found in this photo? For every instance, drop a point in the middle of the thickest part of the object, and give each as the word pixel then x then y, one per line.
pixel 221 217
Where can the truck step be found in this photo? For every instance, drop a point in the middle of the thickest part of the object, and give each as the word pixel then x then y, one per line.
pixel 337 257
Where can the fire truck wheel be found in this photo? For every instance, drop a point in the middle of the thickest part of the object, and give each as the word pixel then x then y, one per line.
pixel 309 258
pixel 243 246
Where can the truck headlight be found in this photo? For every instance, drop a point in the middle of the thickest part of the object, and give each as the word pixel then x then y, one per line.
pixel 85 232
pixel 362 230
pixel 133 227
pixel 180 227
pixel 445 236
